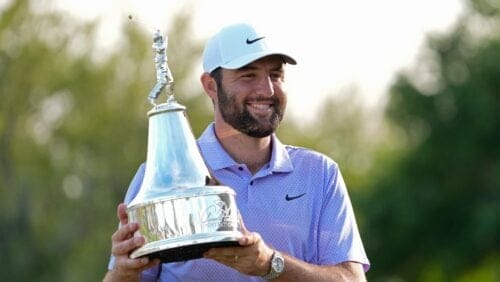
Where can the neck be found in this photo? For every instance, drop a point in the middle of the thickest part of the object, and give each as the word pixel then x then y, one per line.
pixel 251 151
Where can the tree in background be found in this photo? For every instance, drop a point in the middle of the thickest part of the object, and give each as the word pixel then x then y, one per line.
pixel 73 129
pixel 432 212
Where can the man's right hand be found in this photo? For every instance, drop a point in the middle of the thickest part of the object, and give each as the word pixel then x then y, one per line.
pixel 123 243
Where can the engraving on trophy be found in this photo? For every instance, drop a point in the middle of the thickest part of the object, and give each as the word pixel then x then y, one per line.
pixel 218 216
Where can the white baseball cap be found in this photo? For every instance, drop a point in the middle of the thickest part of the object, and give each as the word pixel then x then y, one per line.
pixel 235 46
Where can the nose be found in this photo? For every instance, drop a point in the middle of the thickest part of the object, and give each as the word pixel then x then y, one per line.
pixel 265 87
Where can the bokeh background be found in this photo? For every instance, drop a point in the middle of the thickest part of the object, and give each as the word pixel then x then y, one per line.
pixel 423 170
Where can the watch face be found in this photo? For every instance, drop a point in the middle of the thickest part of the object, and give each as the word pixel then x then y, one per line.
pixel 278 263
pixel 277 266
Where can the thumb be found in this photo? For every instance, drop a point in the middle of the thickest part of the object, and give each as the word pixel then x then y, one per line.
pixel 247 238
pixel 243 229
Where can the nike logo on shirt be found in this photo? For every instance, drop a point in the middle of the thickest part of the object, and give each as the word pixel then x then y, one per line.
pixel 289 198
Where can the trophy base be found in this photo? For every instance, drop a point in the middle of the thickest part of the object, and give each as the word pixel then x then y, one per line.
pixel 182 250
pixel 186 222
pixel 188 252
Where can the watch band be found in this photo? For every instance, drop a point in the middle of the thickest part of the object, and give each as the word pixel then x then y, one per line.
pixel 277 266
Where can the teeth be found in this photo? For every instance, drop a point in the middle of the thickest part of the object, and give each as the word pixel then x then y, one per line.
pixel 260 106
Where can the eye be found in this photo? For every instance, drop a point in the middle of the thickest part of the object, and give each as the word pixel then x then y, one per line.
pixel 248 75
pixel 276 76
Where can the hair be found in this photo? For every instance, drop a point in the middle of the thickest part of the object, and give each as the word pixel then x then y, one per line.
pixel 216 74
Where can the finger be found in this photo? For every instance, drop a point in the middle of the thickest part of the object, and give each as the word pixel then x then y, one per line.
pixel 124 248
pixel 249 238
pixel 227 259
pixel 226 253
pixel 151 263
pixel 124 232
pixel 121 212
pixel 211 180
pixel 219 254
pixel 136 264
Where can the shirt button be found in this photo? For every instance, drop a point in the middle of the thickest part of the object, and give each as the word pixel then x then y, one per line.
pixel 251 182
pixel 240 168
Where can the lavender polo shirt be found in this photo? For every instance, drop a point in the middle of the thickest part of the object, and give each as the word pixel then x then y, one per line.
pixel 298 203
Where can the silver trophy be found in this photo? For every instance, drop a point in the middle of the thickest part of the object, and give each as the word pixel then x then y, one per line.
pixel 180 214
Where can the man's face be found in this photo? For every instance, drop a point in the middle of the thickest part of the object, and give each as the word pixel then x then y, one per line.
pixel 251 99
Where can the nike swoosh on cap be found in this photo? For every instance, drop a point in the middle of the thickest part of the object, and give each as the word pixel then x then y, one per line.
pixel 254 40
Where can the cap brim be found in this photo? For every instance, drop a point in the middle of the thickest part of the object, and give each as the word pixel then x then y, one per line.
pixel 245 60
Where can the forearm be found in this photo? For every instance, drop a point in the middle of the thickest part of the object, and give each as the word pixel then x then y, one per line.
pixel 296 270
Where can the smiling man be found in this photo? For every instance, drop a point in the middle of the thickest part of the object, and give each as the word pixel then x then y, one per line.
pixel 298 220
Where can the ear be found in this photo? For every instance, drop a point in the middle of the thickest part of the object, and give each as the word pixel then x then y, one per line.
pixel 209 85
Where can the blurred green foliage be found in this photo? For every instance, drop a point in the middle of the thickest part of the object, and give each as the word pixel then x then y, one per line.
pixel 73 129
pixel 424 181
pixel 432 207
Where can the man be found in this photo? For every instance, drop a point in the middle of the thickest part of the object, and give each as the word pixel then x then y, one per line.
pixel 298 220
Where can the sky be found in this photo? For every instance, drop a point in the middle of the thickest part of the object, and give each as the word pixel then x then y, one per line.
pixel 339 45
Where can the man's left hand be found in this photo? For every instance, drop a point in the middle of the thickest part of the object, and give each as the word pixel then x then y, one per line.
pixel 251 257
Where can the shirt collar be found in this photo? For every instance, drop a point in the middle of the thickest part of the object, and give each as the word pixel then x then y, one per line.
pixel 217 158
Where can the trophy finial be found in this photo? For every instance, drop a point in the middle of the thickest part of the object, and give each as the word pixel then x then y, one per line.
pixel 164 78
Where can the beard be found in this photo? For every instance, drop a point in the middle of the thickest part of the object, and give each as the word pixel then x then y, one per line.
pixel 242 120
